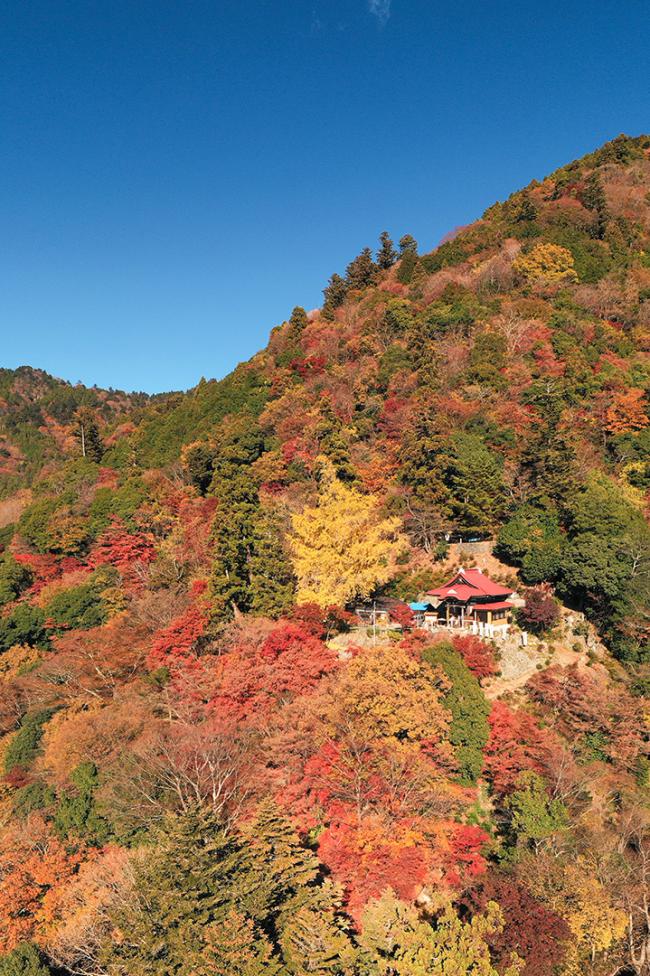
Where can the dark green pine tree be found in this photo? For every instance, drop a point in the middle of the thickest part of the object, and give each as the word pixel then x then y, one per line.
pixel 407 265
pixel 272 584
pixel 297 322
pixel 183 884
pixel 334 295
pixel 425 457
pixel 314 937
pixel 475 478
pixel 87 433
pixel 237 494
pixel 283 893
pixel 280 872
pixel 198 461
pixel 593 198
pixel 527 211
pixel 24 960
pixel 386 255
pixel 361 272
pixel 333 442
pixel 469 710
pixel 408 244
pixel 548 461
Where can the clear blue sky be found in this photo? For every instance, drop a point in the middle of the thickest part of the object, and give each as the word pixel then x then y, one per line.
pixel 175 176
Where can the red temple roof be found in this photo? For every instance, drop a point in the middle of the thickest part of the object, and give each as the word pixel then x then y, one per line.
pixel 503 605
pixel 468 584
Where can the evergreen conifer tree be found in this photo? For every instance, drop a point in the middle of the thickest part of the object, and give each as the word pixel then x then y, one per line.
pixel 408 244
pixel 334 294
pixel 271 580
pixel 87 433
pixel 386 255
pixel 361 272
pixel 297 321
pixel 593 198
pixel 407 266
pixel 236 490
pixel 182 886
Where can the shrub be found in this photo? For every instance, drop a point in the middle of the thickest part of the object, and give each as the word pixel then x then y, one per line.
pixel 24 625
pixel 542 611
pixel 24 960
pixel 79 608
pixel 25 746
pixel 14 578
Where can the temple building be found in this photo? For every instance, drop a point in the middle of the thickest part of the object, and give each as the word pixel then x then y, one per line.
pixel 469 600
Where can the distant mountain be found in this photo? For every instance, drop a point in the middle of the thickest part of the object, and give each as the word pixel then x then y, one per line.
pixel 37 414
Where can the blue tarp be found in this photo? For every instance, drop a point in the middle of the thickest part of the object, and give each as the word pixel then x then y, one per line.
pixel 419 606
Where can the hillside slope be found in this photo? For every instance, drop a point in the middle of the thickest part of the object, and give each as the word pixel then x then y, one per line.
pixel 209 765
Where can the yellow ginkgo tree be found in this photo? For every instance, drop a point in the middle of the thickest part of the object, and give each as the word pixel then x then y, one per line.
pixel 342 547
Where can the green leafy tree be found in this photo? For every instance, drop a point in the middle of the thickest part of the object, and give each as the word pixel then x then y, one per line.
pixel 80 607
pixel 605 564
pixel 14 579
pixel 535 815
pixel 24 625
pixel 77 814
pixel 395 941
pixel 532 539
pixel 34 524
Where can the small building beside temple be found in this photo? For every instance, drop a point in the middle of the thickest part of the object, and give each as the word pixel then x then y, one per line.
pixel 470 600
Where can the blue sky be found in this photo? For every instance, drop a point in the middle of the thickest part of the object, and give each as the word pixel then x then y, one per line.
pixel 175 176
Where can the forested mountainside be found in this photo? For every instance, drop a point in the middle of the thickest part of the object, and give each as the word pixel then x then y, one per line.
pixel 211 762
pixel 41 418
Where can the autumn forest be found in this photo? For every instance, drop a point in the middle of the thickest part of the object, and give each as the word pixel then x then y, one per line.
pixel 241 732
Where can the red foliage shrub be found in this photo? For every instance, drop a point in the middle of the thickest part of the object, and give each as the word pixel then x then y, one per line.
pixel 542 611
pixel 322 623
pixel 290 662
pixel 477 655
pixel 583 704
pixel 516 744
pixel 532 930
pixel 402 614
pixel 122 549
pixel 179 640
pixel 366 859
